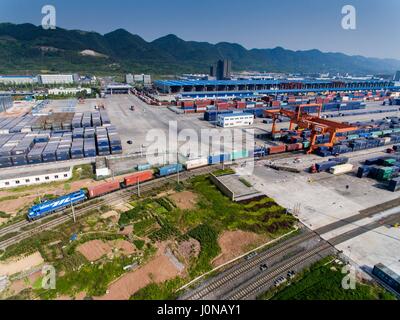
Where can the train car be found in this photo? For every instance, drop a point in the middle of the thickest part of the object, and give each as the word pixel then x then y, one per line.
pixel 138 177
pixel 103 189
pixel 41 210
pixel 144 167
pixel 170 169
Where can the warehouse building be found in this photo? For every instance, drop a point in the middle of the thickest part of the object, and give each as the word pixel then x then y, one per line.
pixel 118 89
pixel 6 102
pixel 68 91
pixel 235 120
pixel 16 80
pixel 58 78
pixel 32 177
pixel 248 88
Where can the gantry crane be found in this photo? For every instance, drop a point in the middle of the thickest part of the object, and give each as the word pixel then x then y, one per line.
pixel 307 121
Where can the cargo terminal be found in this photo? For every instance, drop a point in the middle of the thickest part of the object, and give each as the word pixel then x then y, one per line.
pixel 249 88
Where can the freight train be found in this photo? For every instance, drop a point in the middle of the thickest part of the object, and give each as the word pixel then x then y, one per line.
pixel 145 173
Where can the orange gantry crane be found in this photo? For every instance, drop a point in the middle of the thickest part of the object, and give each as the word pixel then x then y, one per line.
pixel 307 121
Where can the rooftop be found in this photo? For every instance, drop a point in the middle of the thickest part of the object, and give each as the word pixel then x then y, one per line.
pixel 32 173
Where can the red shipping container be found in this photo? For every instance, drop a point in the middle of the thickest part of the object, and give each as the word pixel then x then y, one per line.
pixel 187 103
pixel 103 189
pixel 277 149
pixel 241 105
pixel 138 177
pixel 189 111
pixel 276 103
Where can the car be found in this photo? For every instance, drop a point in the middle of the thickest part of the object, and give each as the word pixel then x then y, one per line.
pixel 263 267
pixel 291 274
pixel 251 255
pixel 129 142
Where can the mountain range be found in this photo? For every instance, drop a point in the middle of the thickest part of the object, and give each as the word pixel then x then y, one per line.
pixel 27 49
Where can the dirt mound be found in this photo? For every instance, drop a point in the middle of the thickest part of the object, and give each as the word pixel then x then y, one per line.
pixel 185 200
pixel 235 243
pixel 95 249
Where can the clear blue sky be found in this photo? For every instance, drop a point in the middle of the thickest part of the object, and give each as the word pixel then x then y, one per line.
pixel 297 25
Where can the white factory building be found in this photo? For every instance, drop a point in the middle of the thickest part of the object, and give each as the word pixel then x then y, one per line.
pixel 18 80
pixel 68 91
pixel 144 79
pixel 235 120
pixel 10 179
pixel 58 78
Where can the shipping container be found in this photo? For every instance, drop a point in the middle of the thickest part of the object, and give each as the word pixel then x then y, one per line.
pixel 277 149
pixel 341 169
pixel 143 167
pixel 103 189
pixel 138 178
pixel 170 169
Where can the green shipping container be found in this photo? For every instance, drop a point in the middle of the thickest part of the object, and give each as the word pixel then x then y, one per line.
pixel 377 133
pixel 384 174
pixel 389 162
pixel 352 136
pixel 306 144
pixel 387 131
pixel 240 154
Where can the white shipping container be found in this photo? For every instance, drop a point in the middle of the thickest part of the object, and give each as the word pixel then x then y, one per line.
pixel 387 140
pixel 342 168
pixel 191 163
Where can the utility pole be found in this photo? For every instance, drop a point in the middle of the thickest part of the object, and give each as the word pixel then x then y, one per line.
pixel 73 210
pixel 177 166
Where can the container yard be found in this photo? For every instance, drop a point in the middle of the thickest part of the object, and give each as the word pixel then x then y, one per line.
pixel 58 136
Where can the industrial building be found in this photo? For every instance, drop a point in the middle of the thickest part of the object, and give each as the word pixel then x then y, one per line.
pixel 6 102
pixel 118 89
pixel 397 76
pixel 68 91
pixel 32 176
pixel 222 70
pixel 235 120
pixel 252 88
pixel 13 80
pixel 58 78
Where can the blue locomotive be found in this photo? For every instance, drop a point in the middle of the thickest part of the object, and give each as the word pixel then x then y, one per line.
pixel 49 207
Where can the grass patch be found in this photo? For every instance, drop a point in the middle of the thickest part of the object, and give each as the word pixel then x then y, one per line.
pixel 208 239
pixel 163 291
pixel 322 282
pixel 245 182
pixel 262 215
pixel 4 215
pixel 139 244
pixel 224 172
pixel 91 278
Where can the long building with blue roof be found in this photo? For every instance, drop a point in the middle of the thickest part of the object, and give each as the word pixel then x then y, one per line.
pixel 248 88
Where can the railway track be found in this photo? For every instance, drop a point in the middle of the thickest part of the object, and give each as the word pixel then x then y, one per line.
pixel 251 289
pixel 240 270
pixel 118 196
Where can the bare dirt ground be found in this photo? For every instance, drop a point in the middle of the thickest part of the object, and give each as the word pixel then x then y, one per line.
pixel 236 243
pixel 127 230
pixel 188 249
pixel 158 270
pixel 22 264
pixel 185 200
pixel 19 285
pixel 96 249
